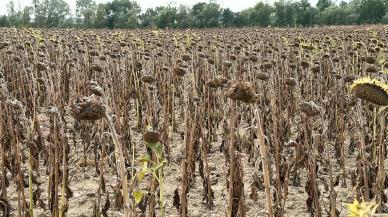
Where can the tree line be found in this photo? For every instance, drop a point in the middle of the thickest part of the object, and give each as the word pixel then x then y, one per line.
pixel 128 14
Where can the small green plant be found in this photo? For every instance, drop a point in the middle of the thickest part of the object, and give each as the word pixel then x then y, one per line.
pixel 363 209
pixel 151 165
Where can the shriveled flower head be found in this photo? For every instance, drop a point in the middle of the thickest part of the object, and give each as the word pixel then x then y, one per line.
pixel 262 76
pixel 241 91
pixel 95 88
pixel 349 78
pixel 16 105
pixel 217 82
pixel 53 111
pixel 309 108
pixel 179 71
pixel 4 94
pixel 151 136
pixel 148 79
pixel 371 90
pixel 88 108
pixel 290 81
pixel 363 209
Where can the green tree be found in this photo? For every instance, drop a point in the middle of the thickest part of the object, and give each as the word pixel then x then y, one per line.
pixel 148 19
pixel 323 4
pixel 342 14
pixel 184 17
pixel 284 13
pixel 206 14
pixel 86 12
pixel 14 14
pixel 261 14
pixel 351 15
pixel 122 14
pixel 385 19
pixel 67 22
pixel 166 17
pixel 26 15
pixel 244 18
pixel 101 16
pixel 197 13
pixel 57 12
pixel 306 15
pixel 50 13
pixel 40 12
pixel 333 15
pixel 126 14
pixel 227 17
pixel 4 21
pixel 371 11
pixel 11 8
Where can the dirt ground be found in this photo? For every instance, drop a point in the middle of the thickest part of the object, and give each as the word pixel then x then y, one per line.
pixel 85 185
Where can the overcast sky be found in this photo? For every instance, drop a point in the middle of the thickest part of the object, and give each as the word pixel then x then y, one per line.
pixel 234 5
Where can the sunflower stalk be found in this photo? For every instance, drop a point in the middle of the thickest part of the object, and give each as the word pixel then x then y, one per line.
pixel 265 164
pixel 121 163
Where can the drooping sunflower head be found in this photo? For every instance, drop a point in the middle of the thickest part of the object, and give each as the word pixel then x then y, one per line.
pixel 371 90
pixel 88 108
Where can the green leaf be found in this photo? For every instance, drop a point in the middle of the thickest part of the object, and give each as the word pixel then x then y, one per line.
pixel 143 172
pixel 159 149
pixel 156 147
pixel 152 146
pixel 158 166
pixel 138 195
pixel 144 158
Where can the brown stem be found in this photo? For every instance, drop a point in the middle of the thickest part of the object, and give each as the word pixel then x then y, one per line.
pixel 265 163
pixel 121 164
pixel 381 172
pixel 363 155
pixel 231 177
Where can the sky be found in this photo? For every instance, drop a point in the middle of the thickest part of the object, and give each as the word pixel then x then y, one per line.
pixel 234 5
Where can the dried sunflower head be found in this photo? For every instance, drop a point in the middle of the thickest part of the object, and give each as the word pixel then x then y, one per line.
pixel 179 71
pixel 310 108
pixel 151 136
pixel 88 108
pixel 53 111
pixel 371 69
pixel 262 76
pixel 4 94
pixel 153 141
pixel 371 90
pixel 241 91
pixel 217 82
pixel 147 78
pixel 95 88
pixel 290 81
